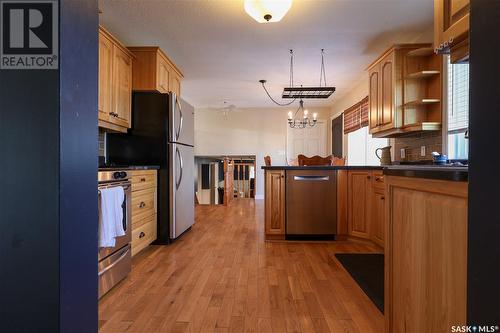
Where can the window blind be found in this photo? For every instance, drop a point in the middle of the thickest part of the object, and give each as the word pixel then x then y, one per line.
pixel 458 97
pixel 356 116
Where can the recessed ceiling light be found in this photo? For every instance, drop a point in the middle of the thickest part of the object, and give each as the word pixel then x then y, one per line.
pixel 264 11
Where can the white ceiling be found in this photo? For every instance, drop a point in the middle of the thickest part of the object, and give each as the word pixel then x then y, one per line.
pixel 223 52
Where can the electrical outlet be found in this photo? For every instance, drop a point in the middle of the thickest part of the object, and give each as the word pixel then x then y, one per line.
pixel 403 153
pixel 422 150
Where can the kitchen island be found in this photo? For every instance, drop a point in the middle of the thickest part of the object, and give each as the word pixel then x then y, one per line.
pixel 416 213
pixel 319 195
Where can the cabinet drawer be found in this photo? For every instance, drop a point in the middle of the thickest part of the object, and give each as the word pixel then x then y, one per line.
pixel 143 236
pixel 143 179
pixel 143 204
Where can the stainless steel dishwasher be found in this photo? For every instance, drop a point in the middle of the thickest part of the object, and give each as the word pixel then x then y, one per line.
pixel 311 203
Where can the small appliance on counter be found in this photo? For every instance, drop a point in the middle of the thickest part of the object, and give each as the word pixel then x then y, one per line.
pixel 439 159
pixel 385 157
pixel 115 262
pixel 162 134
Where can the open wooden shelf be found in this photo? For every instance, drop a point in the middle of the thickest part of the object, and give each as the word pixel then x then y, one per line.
pixel 421 52
pixel 425 126
pixel 422 74
pixel 423 101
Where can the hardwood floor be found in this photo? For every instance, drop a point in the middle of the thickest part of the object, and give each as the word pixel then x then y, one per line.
pixel 222 277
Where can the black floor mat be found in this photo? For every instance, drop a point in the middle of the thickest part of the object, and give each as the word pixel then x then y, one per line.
pixel 367 269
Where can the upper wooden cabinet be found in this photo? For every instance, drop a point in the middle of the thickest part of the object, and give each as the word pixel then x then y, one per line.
pixel 275 204
pixel 115 83
pixel 153 71
pixel 385 92
pixel 105 76
pixel 404 84
pixel 451 28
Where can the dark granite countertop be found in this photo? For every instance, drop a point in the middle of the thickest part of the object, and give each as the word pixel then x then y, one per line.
pixel 129 167
pixel 452 173
pixel 323 167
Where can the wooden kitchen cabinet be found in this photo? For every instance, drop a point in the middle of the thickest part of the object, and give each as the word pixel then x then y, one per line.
pixel 425 255
pixel 385 92
pixel 175 83
pixel 377 216
pixel 404 84
pixel 451 28
pixel 377 208
pixel 115 83
pixel 122 88
pixel 144 208
pixel 275 204
pixel 358 196
pixel 154 71
pixel 105 76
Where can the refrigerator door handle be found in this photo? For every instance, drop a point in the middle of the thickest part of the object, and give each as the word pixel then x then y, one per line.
pixel 181 165
pixel 181 118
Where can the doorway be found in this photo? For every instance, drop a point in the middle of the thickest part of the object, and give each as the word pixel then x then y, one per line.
pixel 337 136
pixel 220 179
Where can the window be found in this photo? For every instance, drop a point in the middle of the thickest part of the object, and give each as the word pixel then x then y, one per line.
pixel 361 147
pixel 458 110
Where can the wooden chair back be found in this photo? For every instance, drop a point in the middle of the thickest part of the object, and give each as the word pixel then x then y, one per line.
pixel 315 160
pixel 338 161
pixel 267 160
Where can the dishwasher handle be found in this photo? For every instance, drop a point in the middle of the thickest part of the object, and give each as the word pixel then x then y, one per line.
pixel 312 178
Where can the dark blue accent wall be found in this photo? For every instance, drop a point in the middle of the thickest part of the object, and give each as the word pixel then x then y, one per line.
pixel 48 204
pixel 78 165
pixel 484 184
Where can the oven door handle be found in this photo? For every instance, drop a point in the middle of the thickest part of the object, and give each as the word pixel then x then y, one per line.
pixel 123 255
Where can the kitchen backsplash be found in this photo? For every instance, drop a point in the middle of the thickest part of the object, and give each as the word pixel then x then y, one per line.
pixel 413 143
pixel 100 139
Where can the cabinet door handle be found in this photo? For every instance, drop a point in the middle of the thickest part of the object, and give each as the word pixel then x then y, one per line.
pixel 142 234
pixel 142 204
pixel 143 180
pixel 382 198
pixel 368 177
pixel 379 179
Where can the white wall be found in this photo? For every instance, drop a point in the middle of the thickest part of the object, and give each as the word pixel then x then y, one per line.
pixel 250 131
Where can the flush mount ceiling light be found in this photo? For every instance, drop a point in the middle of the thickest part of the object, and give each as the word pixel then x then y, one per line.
pixel 264 11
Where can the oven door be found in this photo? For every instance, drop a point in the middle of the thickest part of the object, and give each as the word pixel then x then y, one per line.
pixel 127 238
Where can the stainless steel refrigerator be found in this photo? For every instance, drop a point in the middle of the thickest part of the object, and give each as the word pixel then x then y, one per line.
pixel 162 134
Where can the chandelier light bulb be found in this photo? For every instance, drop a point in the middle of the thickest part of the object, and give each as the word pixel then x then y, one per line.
pixel 290 115
pixel 315 116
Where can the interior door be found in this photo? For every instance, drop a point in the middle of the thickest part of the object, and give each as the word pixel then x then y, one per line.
pixel 182 181
pixel 337 136
pixel 308 141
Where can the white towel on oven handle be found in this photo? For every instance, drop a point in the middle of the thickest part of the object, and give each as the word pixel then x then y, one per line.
pixel 111 215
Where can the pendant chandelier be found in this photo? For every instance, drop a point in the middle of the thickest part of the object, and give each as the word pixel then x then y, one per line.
pixel 295 122
pixel 302 120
